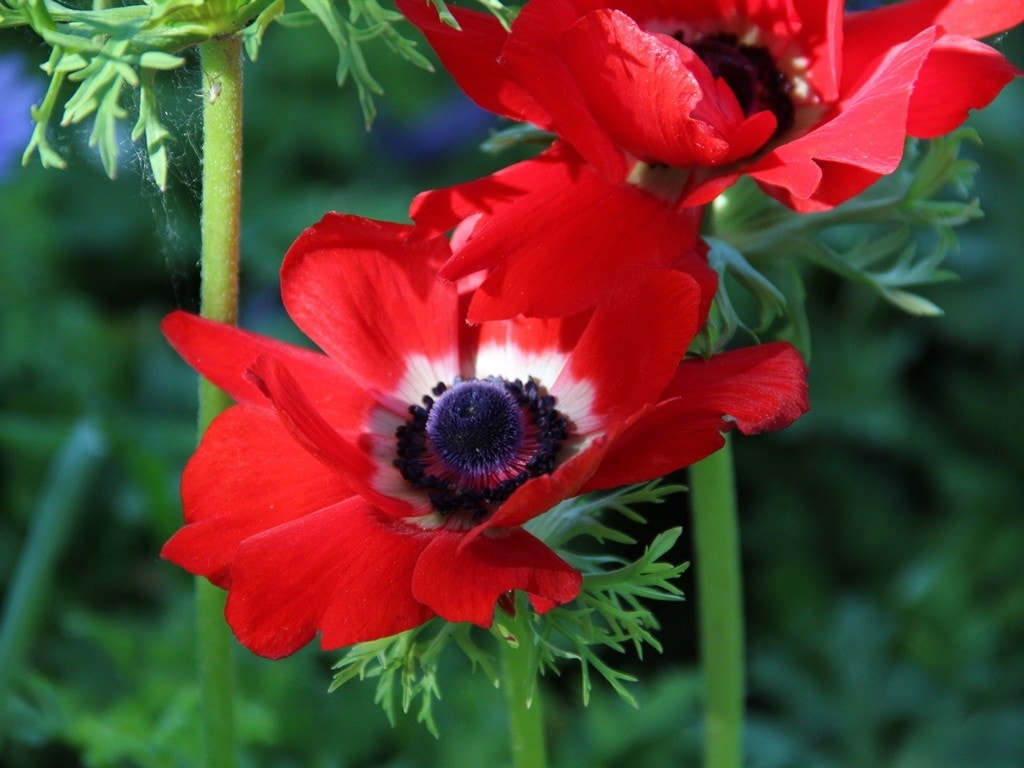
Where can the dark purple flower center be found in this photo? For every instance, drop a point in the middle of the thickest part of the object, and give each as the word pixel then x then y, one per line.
pixel 751 73
pixel 476 428
pixel 478 441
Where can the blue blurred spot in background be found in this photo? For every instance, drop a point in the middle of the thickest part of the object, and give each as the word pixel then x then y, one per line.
pixel 18 92
pixel 449 126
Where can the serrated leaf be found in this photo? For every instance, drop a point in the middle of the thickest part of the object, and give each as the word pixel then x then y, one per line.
pixel 582 515
pixel 156 134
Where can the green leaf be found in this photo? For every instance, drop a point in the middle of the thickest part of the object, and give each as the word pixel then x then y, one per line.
pixel 582 515
pixel 517 135
pixel 728 261
pixel 911 303
pixel 103 49
pixel 156 134
pixel 608 613
pixel 252 34
pixel 892 237
pixel 160 60
pixel 406 667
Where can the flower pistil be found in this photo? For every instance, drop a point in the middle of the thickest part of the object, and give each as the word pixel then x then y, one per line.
pixel 478 441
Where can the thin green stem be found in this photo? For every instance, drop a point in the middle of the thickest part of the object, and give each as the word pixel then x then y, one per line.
pixel 522 695
pixel 221 206
pixel 756 239
pixel 720 606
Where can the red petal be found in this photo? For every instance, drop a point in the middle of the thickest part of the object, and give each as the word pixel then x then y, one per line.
pixel 819 37
pixel 975 18
pixel 534 55
pixel 891 24
pixel 462 580
pixel 839 182
pixel 471 54
pixel 756 388
pixel 371 300
pixel 865 131
pixel 437 211
pixel 959 74
pixel 662 439
pixel 634 341
pixel 223 353
pixel 321 438
pixel 654 96
pixel 345 571
pixel 559 248
pixel 539 494
pixel 247 476
pixel 525 347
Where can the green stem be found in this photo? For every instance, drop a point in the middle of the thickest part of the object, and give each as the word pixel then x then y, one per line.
pixel 522 694
pixel 765 240
pixel 221 206
pixel 720 606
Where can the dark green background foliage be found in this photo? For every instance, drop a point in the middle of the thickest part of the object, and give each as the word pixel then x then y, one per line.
pixel 882 534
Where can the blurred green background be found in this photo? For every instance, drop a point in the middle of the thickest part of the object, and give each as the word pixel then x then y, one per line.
pixel 883 540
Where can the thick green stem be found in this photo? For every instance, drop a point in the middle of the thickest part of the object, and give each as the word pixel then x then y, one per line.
pixel 522 695
pixel 221 206
pixel 720 606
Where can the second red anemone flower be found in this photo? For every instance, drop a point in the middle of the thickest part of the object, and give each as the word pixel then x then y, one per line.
pixel 667 103
pixel 360 491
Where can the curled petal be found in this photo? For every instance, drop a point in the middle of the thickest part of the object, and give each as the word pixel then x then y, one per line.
pixel 884 27
pixel 861 138
pixel 960 74
pixel 534 55
pixel 438 211
pixel 539 494
pixel 654 96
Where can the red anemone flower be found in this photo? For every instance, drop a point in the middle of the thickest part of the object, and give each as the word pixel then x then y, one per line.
pixel 678 99
pixel 361 491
